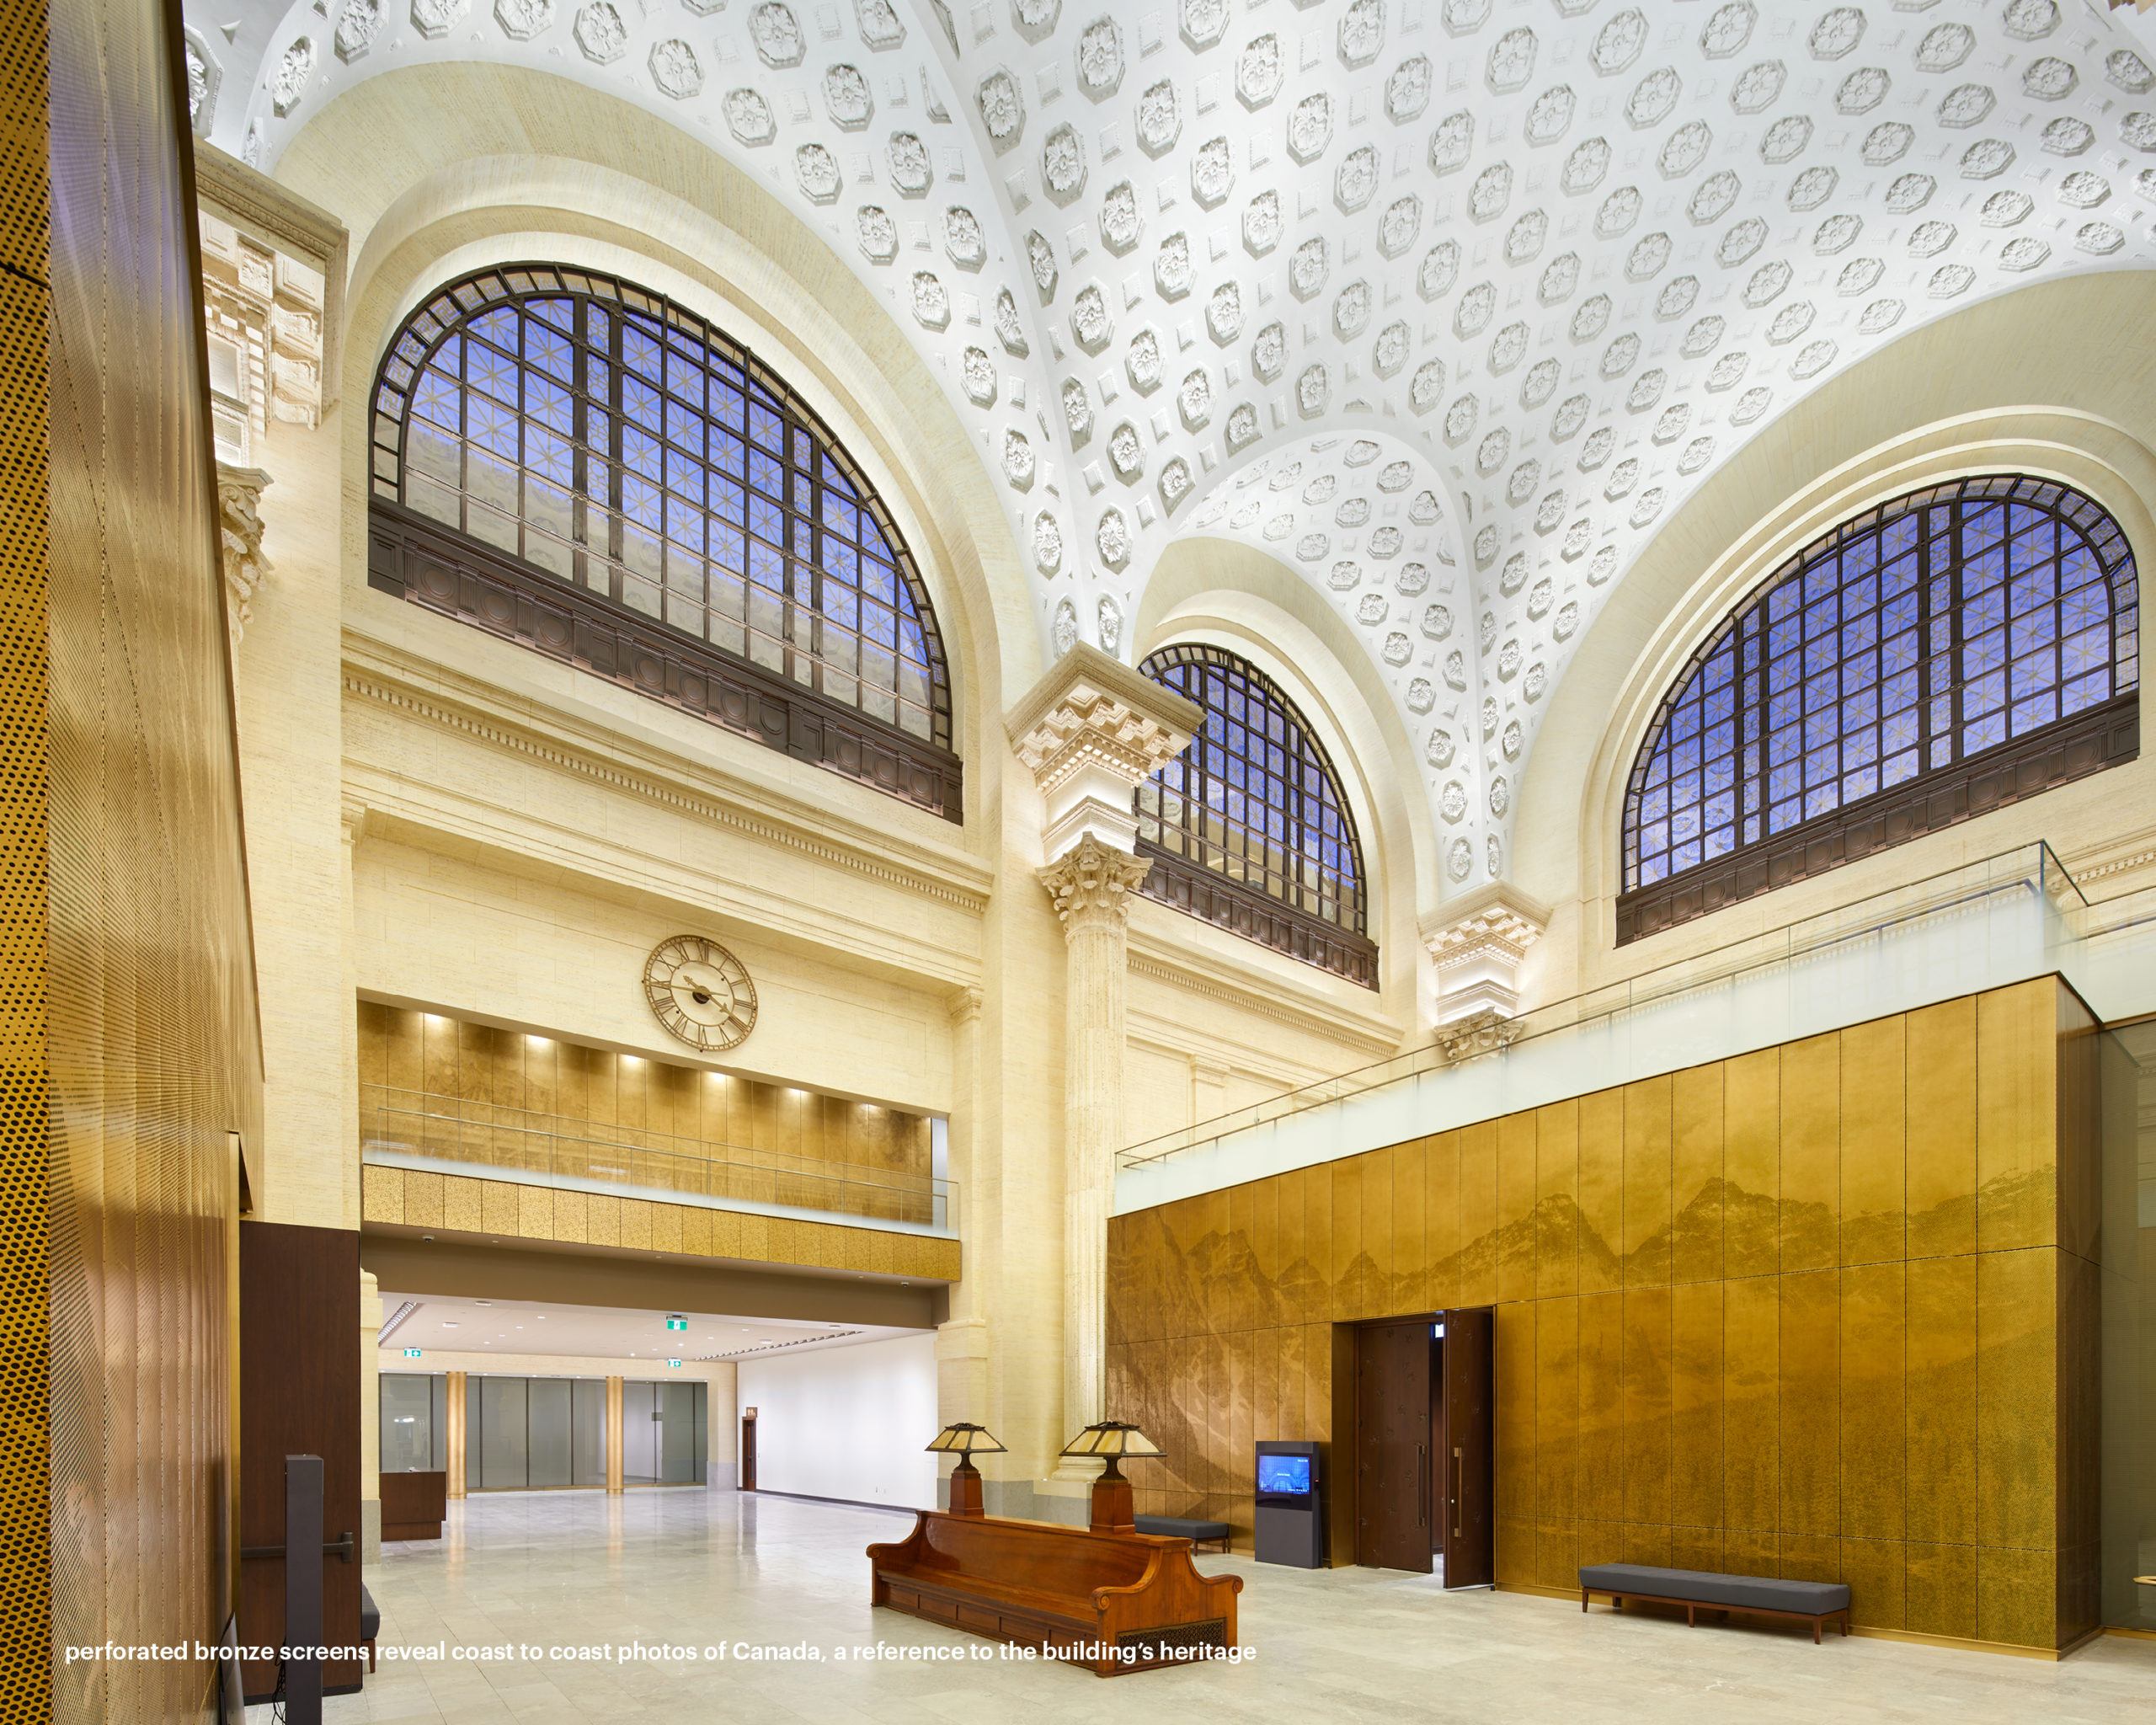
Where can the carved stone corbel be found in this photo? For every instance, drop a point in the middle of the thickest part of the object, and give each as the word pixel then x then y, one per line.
pixel 239 520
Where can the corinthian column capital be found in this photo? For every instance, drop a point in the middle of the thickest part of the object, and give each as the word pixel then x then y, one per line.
pixel 1090 884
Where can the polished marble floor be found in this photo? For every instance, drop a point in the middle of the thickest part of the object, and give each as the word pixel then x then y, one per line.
pixel 691 1568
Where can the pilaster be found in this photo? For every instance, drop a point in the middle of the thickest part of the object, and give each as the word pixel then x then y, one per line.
pixel 1089 733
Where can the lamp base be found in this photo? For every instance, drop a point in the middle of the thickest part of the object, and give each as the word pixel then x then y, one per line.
pixel 965 1490
pixel 1112 1506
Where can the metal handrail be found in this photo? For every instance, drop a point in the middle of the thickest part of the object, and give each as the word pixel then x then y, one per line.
pixel 2033 869
pixel 775 1178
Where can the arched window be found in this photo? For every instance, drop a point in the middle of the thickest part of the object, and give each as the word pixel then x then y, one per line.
pixel 580 464
pixel 1941 655
pixel 1246 827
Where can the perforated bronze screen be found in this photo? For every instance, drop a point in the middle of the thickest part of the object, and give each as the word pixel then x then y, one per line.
pixel 25 1575
pixel 126 976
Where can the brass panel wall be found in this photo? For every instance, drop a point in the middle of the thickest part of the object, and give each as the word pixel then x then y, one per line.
pixel 502 1210
pixel 429 1077
pixel 126 992
pixel 1826 1310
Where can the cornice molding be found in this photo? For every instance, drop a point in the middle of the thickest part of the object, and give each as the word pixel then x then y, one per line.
pixel 1252 990
pixel 807 832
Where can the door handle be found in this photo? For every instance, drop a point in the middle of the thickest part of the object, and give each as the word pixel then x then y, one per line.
pixel 1422 1485
pixel 1455 1492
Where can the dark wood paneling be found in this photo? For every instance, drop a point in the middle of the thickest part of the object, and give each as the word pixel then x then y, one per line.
pixel 1394 1507
pixel 414 1504
pixel 299 1388
pixel 2104 736
pixel 1197 891
pixel 419 560
pixel 1470 1554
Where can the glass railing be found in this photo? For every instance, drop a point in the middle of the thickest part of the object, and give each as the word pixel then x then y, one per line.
pixel 2029 877
pixel 404 1125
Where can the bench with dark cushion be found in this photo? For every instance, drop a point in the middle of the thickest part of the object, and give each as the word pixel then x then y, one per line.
pixel 1176 1527
pixel 370 1622
pixel 1758 1595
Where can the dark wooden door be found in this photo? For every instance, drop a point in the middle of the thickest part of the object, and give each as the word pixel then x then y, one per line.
pixel 1470 1556
pixel 1392 1446
pixel 1440 1453
pixel 299 1395
pixel 747 1454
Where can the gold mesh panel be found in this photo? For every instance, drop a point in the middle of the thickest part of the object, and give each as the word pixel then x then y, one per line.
pixel 25 1572
pixel 126 981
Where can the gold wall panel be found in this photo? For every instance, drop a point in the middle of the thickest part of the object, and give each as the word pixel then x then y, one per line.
pixel 497 1210
pixel 440 1087
pixel 1742 1320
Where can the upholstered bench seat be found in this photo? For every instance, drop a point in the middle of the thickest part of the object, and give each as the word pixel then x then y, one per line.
pixel 370 1622
pixel 1176 1527
pixel 1764 1595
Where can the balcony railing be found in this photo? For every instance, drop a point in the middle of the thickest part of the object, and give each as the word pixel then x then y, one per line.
pixel 2006 910
pixel 406 1128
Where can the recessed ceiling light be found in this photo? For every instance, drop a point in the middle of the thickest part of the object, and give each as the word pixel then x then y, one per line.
pixel 483 1302
pixel 447 1325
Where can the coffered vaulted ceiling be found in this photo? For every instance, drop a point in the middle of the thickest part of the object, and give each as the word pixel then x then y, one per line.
pixel 1445 304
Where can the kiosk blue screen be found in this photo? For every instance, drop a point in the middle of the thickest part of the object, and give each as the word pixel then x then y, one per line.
pixel 1285 1476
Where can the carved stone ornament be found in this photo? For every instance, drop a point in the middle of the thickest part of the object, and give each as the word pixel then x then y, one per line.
pixel 1090 886
pixel 1486 1032
pixel 1089 731
pixel 239 518
pixel 1478 942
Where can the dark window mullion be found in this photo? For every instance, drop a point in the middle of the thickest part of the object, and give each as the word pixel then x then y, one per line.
pixel 617 449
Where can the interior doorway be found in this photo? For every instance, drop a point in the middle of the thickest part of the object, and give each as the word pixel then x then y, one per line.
pixel 749 1451
pixel 1423 1423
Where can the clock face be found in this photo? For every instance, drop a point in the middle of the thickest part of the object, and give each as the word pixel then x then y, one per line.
pixel 701 992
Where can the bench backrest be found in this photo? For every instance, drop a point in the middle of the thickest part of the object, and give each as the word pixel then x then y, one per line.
pixel 1065 1561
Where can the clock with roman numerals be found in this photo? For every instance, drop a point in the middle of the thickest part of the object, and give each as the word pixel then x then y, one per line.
pixel 701 992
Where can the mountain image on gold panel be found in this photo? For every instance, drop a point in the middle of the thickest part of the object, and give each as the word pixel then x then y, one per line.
pixel 701 992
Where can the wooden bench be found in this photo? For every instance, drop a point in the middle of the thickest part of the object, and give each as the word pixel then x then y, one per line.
pixel 1200 1533
pixel 1112 1602
pixel 1755 1596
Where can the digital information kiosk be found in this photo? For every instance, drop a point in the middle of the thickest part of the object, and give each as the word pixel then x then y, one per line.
pixel 1291 1505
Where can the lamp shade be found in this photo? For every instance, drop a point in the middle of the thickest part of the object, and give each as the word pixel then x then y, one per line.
pixel 966 1439
pixel 1112 1437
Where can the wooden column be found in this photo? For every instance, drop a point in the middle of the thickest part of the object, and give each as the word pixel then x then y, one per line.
pixel 614 1437
pixel 455 1458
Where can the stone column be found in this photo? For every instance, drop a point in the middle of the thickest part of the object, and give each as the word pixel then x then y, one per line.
pixel 1090 885
pixel 1091 732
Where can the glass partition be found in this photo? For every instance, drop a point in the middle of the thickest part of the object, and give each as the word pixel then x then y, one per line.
pixel 665 1436
pixel 414 1422
pixel 547 1433
pixel 588 1432
pixel 639 1434
pixel 498 1433
pixel 533 1433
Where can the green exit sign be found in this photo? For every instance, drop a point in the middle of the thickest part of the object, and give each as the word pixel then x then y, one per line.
pixel 675 1364
pixel 411 1353
pixel 677 1323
